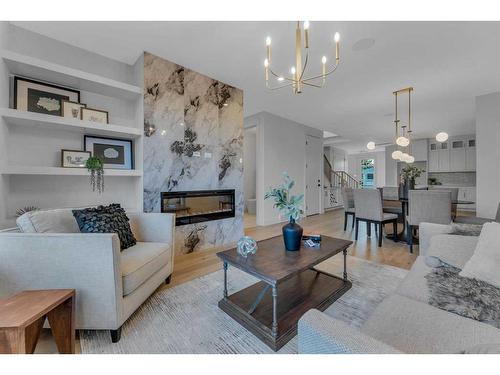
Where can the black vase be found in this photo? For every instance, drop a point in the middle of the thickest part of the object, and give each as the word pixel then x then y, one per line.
pixel 292 235
pixel 405 187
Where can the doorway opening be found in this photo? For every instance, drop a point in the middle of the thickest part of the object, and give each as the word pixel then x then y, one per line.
pixel 367 173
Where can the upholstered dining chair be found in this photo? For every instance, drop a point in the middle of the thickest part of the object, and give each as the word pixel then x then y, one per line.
pixel 454 197
pixel 348 200
pixel 430 206
pixel 368 208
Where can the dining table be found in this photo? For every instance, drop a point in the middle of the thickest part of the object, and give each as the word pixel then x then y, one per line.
pixel 401 236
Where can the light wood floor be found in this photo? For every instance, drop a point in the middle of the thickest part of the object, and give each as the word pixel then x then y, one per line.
pixel 331 223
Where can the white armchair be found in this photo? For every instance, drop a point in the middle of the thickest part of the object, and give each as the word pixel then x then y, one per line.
pixel 110 284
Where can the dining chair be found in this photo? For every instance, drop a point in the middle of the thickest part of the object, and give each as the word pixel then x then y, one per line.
pixel 368 208
pixel 348 200
pixel 430 206
pixel 454 197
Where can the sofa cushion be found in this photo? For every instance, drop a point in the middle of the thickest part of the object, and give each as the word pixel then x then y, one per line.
pixel 415 327
pixel 141 261
pixel 451 249
pixel 485 263
pixel 106 219
pixel 414 285
pixel 48 221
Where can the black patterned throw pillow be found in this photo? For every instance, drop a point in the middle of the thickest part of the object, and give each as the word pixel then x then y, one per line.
pixel 106 219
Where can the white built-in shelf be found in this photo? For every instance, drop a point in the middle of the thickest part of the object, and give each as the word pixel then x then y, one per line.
pixel 60 171
pixel 43 70
pixel 32 119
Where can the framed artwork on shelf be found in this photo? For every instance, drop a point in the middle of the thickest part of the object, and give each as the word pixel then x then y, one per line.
pixel 71 109
pixel 116 153
pixel 41 97
pixel 74 158
pixel 94 115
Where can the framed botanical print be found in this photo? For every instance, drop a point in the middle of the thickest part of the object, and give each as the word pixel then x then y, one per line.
pixel 115 153
pixel 41 97
pixel 71 109
pixel 74 158
pixel 94 115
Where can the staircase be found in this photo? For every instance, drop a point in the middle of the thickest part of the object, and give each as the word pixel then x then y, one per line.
pixel 334 182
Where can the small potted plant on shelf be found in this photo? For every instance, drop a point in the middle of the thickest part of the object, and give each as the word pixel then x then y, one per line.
pixel 290 207
pixel 96 168
pixel 408 176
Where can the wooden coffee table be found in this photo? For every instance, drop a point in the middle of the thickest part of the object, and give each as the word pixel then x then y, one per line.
pixel 289 286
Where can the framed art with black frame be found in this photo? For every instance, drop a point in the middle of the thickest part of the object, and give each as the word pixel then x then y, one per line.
pixel 41 97
pixel 116 153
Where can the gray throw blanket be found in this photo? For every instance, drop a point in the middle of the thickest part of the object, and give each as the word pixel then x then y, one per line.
pixel 470 298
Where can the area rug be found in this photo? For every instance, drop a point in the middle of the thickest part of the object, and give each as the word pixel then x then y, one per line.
pixel 186 318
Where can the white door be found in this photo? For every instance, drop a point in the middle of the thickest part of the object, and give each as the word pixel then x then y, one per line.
pixel 314 170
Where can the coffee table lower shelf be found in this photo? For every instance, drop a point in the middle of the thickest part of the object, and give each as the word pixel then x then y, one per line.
pixel 308 290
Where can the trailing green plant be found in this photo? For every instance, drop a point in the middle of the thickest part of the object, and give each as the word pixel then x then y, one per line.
pixel 289 205
pixel 411 172
pixel 95 166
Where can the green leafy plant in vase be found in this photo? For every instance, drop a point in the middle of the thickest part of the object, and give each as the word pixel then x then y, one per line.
pixel 290 206
pixel 408 176
pixel 95 166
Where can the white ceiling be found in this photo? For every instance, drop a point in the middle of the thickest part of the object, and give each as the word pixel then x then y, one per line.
pixel 448 64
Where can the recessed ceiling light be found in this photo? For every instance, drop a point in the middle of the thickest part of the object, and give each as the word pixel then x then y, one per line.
pixel 363 44
pixel 225 104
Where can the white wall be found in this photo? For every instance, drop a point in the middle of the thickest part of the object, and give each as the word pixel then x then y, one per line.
pixel 488 154
pixel 249 162
pixel 354 165
pixel 280 148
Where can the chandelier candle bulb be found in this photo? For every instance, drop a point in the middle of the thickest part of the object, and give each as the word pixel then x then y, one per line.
pixel 268 48
pixel 306 33
pixel 337 46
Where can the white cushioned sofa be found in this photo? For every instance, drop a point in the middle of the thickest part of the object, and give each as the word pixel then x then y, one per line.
pixel 110 284
pixel 405 322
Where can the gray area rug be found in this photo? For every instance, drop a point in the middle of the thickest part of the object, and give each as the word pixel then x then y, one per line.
pixel 186 319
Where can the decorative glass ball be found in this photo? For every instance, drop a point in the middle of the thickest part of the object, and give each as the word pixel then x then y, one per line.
pixel 246 245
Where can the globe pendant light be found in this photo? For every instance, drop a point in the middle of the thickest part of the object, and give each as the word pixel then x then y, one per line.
pixel 402 141
pixel 396 155
pixel 442 137
pixel 370 145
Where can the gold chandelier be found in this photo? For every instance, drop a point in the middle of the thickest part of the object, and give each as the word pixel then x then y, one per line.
pixel 297 80
pixel 402 137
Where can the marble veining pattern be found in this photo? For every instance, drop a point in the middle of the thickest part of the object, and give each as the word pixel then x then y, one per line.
pixel 193 128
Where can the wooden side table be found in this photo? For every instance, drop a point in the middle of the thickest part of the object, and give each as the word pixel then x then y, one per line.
pixel 22 317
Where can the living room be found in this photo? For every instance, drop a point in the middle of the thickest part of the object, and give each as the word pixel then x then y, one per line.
pixel 214 184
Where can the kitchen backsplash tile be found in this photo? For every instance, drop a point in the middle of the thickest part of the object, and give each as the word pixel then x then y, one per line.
pixel 455 178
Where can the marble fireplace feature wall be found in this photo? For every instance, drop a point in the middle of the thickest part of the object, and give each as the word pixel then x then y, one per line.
pixel 193 128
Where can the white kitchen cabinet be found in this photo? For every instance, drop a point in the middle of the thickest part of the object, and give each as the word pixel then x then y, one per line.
pixel 457 155
pixel 470 154
pixel 443 157
pixel 433 164
pixel 467 194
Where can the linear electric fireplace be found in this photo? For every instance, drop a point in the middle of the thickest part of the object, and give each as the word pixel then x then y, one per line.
pixel 199 205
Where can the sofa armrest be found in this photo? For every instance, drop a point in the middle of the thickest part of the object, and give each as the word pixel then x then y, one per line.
pixel 320 334
pixel 87 262
pixel 427 231
pixel 152 227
